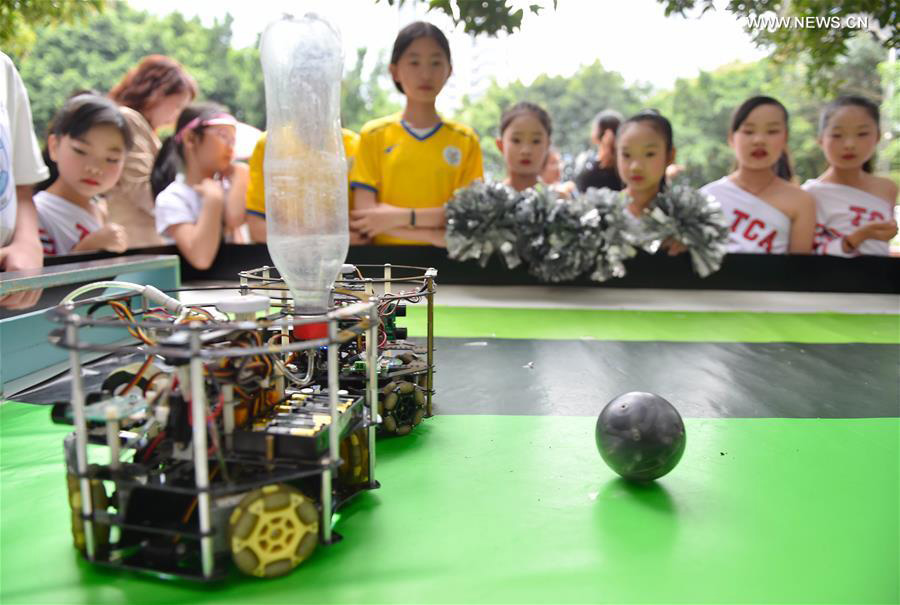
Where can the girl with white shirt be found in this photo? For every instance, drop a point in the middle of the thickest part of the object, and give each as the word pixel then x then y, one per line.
pixel 88 141
pixel 199 189
pixel 854 208
pixel 767 214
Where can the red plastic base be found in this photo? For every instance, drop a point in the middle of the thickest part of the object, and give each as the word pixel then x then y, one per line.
pixel 311 331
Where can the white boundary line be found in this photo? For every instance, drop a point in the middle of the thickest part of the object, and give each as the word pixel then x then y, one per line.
pixel 563 297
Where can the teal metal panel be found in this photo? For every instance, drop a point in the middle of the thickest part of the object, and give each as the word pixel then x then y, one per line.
pixel 26 354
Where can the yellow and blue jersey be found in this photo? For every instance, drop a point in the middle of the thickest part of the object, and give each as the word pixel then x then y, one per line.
pixel 256 187
pixel 409 170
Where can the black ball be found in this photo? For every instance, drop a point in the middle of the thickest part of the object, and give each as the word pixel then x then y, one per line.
pixel 640 436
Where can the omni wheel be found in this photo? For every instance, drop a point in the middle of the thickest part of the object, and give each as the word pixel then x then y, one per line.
pixel 402 407
pixel 99 501
pixel 273 530
pixel 354 469
pixel 408 357
pixel 419 366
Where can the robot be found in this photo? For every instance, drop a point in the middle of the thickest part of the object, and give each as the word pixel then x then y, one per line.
pixel 235 431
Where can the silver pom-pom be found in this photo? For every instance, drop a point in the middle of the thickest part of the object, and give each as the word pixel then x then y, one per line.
pixel 692 218
pixel 479 223
pixel 611 231
pixel 560 239
pixel 553 239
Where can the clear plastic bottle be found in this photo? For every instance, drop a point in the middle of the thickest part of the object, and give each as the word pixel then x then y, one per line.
pixel 305 167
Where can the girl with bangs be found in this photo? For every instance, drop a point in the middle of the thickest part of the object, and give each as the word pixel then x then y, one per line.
pixel 766 212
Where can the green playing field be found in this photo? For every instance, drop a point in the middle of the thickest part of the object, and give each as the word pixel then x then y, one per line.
pixel 483 507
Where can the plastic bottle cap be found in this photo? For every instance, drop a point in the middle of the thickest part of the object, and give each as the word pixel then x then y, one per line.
pixel 250 303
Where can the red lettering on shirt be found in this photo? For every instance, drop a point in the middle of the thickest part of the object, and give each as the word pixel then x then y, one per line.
pixel 768 240
pixel 823 235
pixel 749 233
pixel 82 230
pixel 739 216
pixel 858 211
pixel 820 235
pixel 47 243
pixel 876 217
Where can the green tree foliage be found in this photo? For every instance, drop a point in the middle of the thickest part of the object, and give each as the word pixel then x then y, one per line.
pixel 571 101
pixel 95 55
pixel 19 18
pixel 888 160
pixel 820 47
pixel 364 97
pixel 479 16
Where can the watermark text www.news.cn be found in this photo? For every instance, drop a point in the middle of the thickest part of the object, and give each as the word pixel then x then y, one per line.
pixel 771 22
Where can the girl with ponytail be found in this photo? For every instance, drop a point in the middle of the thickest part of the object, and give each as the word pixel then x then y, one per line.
pixel 199 190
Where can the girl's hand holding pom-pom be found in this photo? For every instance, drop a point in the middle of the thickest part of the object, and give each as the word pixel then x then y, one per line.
pixel 567 190
pixel 674 247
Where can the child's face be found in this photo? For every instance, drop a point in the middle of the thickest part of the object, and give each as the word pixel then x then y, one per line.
pixel 524 145
pixel 760 140
pixel 422 70
pixel 642 157
pixel 215 149
pixel 850 138
pixel 92 163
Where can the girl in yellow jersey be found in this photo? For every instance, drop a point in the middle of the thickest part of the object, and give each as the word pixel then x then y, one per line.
pixel 256 187
pixel 408 165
